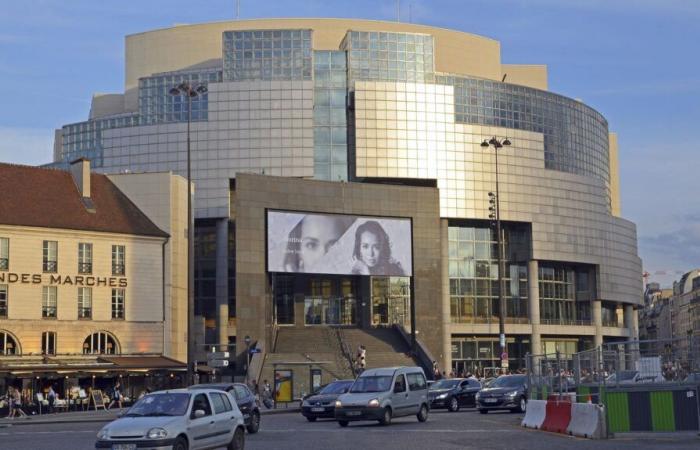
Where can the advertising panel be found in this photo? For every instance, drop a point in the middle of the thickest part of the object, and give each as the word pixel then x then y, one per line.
pixel 338 244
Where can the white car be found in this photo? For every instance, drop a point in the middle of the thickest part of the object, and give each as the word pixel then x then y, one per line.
pixel 177 419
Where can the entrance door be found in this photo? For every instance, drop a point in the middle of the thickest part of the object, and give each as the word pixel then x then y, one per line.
pixel 391 300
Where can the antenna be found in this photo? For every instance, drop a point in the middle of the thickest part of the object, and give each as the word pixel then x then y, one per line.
pixel 410 8
pixel 238 9
pixel 398 10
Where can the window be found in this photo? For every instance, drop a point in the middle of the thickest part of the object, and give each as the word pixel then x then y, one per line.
pixel 84 258
pixel 8 344
pixel 50 256
pixel 240 392
pixel 48 302
pixel 84 303
pixel 100 343
pixel 416 381
pixel 218 402
pixel 3 301
pixel 227 402
pixel 118 259
pixel 4 253
pixel 48 343
pixel 201 402
pixel 400 384
pixel 117 303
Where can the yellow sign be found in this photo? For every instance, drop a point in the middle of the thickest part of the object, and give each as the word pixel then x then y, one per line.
pixel 283 385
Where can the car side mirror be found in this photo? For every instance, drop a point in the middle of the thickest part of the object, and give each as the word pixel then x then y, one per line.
pixel 198 413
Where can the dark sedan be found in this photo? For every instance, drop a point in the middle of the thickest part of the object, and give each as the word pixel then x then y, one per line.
pixel 245 400
pixel 505 392
pixel 453 393
pixel 321 405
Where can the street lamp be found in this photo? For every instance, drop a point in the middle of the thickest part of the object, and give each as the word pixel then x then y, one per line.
pixel 246 339
pixel 495 214
pixel 189 92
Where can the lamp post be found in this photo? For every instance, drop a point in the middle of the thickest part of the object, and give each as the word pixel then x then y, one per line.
pixel 189 92
pixel 246 339
pixel 495 213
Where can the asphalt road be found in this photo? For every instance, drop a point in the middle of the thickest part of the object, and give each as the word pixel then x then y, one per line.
pixel 463 430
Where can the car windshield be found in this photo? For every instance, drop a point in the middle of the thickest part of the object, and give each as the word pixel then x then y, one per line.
pixel 339 387
pixel 507 382
pixel 372 384
pixel 160 405
pixel 445 384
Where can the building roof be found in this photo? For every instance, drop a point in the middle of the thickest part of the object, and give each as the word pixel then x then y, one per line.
pixel 49 198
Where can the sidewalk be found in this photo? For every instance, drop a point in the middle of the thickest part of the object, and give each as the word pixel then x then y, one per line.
pixel 99 416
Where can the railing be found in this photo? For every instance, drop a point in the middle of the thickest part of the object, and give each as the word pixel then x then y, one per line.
pixel 575 322
pixel 48 312
pixel 611 323
pixel 484 320
pixel 4 263
pixel 50 266
pixel 344 349
pixel 84 313
pixel 117 269
pixel 84 267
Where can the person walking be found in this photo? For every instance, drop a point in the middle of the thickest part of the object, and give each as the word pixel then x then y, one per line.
pixel 51 398
pixel 116 396
pixel 17 403
pixel 361 361
pixel 267 394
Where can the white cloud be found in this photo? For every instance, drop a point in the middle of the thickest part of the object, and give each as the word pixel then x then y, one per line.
pixel 30 146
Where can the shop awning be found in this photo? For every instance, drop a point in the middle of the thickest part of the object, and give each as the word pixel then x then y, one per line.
pixel 103 363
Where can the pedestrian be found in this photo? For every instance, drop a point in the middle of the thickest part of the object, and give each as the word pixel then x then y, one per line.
pixel 116 395
pixel 267 395
pixel 361 361
pixel 256 389
pixel 9 396
pixel 17 403
pixel 51 398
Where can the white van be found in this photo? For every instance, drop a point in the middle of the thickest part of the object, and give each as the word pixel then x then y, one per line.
pixel 381 394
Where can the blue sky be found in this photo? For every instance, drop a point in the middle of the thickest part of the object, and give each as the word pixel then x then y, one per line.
pixel 636 61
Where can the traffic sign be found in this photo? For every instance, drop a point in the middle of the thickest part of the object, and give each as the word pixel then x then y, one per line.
pixel 218 363
pixel 255 350
pixel 218 355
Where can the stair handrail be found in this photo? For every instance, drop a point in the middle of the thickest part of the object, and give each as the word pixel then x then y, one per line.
pixel 345 349
pixel 421 353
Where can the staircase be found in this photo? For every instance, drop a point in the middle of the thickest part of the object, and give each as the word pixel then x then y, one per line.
pixel 385 347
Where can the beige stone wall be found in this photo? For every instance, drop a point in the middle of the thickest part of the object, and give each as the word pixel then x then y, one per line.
pixel 163 198
pixel 255 193
pixel 142 329
pixel 531 75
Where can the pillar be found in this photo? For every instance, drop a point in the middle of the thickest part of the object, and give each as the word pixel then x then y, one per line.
pixel 222 280
pixel 446 314
pixel 631 322
pixel 534 306
pixel 597 314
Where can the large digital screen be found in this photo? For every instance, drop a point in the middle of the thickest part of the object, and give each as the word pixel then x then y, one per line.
pixel 338 244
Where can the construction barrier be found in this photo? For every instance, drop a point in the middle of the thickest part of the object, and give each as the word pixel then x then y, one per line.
pixel 534 414
pixel 587 420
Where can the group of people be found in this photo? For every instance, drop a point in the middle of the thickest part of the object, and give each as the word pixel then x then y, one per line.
pixel 264 397
pixel 14 401
pixel 478 375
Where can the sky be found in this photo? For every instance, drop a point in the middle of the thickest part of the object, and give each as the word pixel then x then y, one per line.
pixel 635 61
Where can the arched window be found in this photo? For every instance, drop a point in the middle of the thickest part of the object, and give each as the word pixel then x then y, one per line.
pixel 101 343
pixel 8 344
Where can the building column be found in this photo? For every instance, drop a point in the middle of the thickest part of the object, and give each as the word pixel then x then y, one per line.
pixel 446 314
pixel 597 313
pixel 631 322
pixel 534 306
pixel 222 280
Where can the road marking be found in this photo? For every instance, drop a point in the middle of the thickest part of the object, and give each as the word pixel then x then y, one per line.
pixel 377 430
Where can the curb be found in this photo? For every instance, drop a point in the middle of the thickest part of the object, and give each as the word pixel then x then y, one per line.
pixel 267 412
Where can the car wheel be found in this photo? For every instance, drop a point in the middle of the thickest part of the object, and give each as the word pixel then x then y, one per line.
pixel 386 419
pixel 254 426
pixel 343 423
pixel 180 444
pixel 484 411
pixel 522 407
pixel 422 414
pixel 453 405
pixel 238 440
pixel 311 419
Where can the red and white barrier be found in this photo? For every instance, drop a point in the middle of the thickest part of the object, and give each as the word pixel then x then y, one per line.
pixel 587 420
pixel 534 414
pixel 562 416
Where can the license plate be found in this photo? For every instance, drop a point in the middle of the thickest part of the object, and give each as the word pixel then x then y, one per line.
pixel 124 447
pixel 318 409
pixel 490 400
pixel 354 413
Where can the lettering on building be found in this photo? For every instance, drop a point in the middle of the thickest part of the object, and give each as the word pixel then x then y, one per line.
pixel 62 280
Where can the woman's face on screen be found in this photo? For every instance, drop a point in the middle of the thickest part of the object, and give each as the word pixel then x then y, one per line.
pixel 318 234
pixel 370 248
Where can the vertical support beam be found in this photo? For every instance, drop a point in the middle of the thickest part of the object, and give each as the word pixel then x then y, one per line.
pixel 534 306
pixel 597 313
pixel 222 280
pixel 446 319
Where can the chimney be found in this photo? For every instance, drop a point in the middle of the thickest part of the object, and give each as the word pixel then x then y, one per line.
pixel 80 170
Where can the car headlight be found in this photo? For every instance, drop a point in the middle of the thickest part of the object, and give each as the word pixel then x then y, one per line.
pixel 374 403
pixel 512 394
pixel 338 404
pixel 478 395
pixel 156 433
pixel 103 434
pixel 441 396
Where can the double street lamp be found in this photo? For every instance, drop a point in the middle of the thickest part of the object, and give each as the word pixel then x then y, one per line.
pixel 495 214
pixel 190 92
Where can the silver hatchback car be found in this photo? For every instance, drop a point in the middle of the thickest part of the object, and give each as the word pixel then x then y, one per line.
pixel 177 419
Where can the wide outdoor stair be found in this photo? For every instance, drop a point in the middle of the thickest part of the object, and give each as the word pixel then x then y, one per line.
pixel 385 347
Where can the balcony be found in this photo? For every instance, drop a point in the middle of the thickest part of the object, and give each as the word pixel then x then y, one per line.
pixel 85 313
pixel 50 266
pixel 117 269
pixel 569 322
pixel 85 267
pixel 4 263
pixel 48 312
